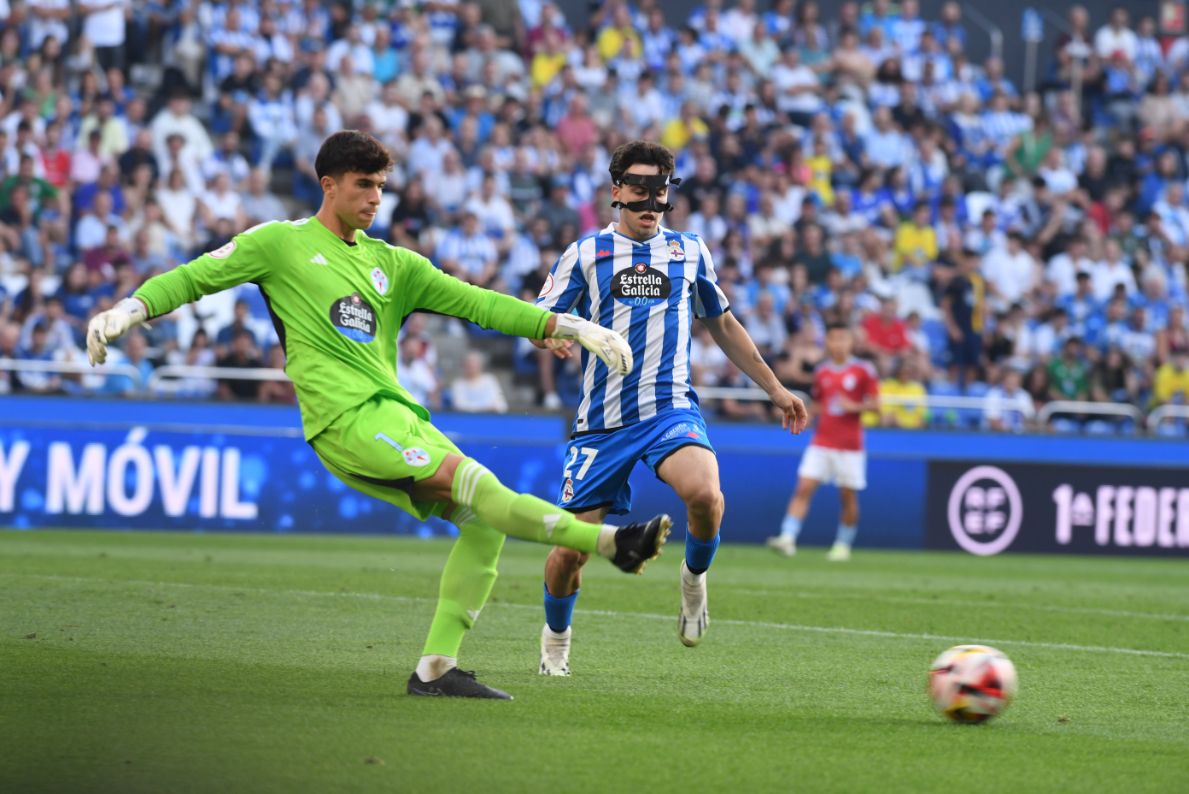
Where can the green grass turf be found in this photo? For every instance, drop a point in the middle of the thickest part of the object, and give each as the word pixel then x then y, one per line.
pixel 174 663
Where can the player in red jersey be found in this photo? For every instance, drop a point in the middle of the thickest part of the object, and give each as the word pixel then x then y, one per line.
pixel 843 388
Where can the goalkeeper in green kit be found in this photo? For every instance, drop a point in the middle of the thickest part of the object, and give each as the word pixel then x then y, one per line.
pixel 338 298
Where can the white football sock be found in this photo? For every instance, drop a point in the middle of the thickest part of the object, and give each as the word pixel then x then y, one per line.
pixel 433 667
pixel 606 544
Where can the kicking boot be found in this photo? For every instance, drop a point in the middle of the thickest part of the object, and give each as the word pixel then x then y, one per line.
pixel 636 544
pixel 455 684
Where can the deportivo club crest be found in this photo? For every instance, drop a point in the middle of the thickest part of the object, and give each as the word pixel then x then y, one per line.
pixel 380 280
pixel 676 251
pixel 415 456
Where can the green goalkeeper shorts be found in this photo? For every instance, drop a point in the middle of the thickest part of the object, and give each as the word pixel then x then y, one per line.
pixel 381 448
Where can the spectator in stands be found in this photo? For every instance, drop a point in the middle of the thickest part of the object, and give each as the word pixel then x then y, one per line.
pixel 259 203
pixel 1068 373
pixel 1173 339
pixel 219 203
pixel 1008 406
pixel 177 119
pixel 1010 271
pixel 241 355
pixel 801 355
pixel 197 354
pixel 279 391
pixel 477 390
pixel 766 326
pixel 109 254
pixel 813 255
pixel 903 396
pixel 134 353
pixel 468 253
pixel 838 139
pixel 416 373
pixel 1171 384
pixel 963 307
pixel 1113 378
pixel 55 327
pixel 226 159
pixel 1112 272
pixel 884 334
pixel 239 325
pixel 39 349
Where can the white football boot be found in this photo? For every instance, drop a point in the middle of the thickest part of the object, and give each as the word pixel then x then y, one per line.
pixel 839 552
pixel 555 651
pixel 783 545
pixel 695 616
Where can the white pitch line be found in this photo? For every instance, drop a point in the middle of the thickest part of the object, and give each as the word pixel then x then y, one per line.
pixel 845 630
pixel 1116 613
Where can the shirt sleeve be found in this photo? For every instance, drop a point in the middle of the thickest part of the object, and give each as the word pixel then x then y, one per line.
pixel 565 283
pixel 871 388
pixel 435 291
pixel 240 261
pixel 709 300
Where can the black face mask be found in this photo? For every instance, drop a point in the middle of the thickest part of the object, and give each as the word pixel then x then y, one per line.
pixel 655 183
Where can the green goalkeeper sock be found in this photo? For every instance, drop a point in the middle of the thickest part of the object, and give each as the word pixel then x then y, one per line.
pixel 467 580
pixel 524 516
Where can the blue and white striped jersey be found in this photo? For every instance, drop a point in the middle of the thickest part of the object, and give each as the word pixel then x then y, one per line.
pixel 650 292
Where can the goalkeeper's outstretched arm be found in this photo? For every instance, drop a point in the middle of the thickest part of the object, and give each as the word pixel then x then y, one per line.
pixel 445 294
pixel 235 263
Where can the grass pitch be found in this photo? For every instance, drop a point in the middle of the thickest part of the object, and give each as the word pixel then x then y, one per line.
pixel 177 663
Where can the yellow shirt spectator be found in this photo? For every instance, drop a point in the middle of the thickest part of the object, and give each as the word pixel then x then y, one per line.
pixel 912 415
pixel 679 132
pixel 1170 381
pixel 545 66
pixel 611 41
pixel 915 245
pixel 821 170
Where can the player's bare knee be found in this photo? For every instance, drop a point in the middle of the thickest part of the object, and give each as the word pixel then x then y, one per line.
pixel 568 559
pixel 704 500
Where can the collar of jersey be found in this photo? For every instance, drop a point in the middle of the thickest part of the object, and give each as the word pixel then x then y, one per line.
pixel 346 246
pixel 830 365
pixel 660 232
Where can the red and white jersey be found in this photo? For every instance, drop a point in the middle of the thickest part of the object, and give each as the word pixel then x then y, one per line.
pixel 855 380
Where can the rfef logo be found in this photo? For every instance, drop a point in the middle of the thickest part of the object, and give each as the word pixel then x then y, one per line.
pixel 985 510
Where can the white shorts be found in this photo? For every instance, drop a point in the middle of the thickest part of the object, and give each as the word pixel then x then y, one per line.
pixel 842 467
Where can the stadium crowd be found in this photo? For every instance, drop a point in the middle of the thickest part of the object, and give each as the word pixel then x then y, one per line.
pixel 984 239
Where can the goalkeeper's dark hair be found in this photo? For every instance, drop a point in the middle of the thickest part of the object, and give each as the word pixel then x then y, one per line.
pixel 640 152
pixel 351 151
pixel 837 325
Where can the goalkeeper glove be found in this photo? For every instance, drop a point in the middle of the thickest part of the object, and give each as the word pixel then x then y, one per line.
pixel 608 345
pixel 111 325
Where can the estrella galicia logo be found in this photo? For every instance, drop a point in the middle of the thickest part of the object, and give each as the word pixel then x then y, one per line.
pixel 985 510
pixel 640 285
pixel 354 318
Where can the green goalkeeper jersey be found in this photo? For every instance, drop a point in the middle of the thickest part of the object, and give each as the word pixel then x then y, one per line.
pixel 337 307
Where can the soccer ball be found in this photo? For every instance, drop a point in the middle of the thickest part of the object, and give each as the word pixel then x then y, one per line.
pixel 972 683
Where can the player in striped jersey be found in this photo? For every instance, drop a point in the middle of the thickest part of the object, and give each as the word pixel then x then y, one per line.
pixel 648 283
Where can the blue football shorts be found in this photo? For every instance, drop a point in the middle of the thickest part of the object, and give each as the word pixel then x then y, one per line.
pixel 598 465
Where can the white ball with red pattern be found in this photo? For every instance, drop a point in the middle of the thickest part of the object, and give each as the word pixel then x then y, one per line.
pixel 972 683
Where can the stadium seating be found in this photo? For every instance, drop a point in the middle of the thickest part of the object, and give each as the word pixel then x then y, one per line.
pixel 197 120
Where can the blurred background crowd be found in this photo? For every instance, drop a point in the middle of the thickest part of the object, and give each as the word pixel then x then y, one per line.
pixel 1021 244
